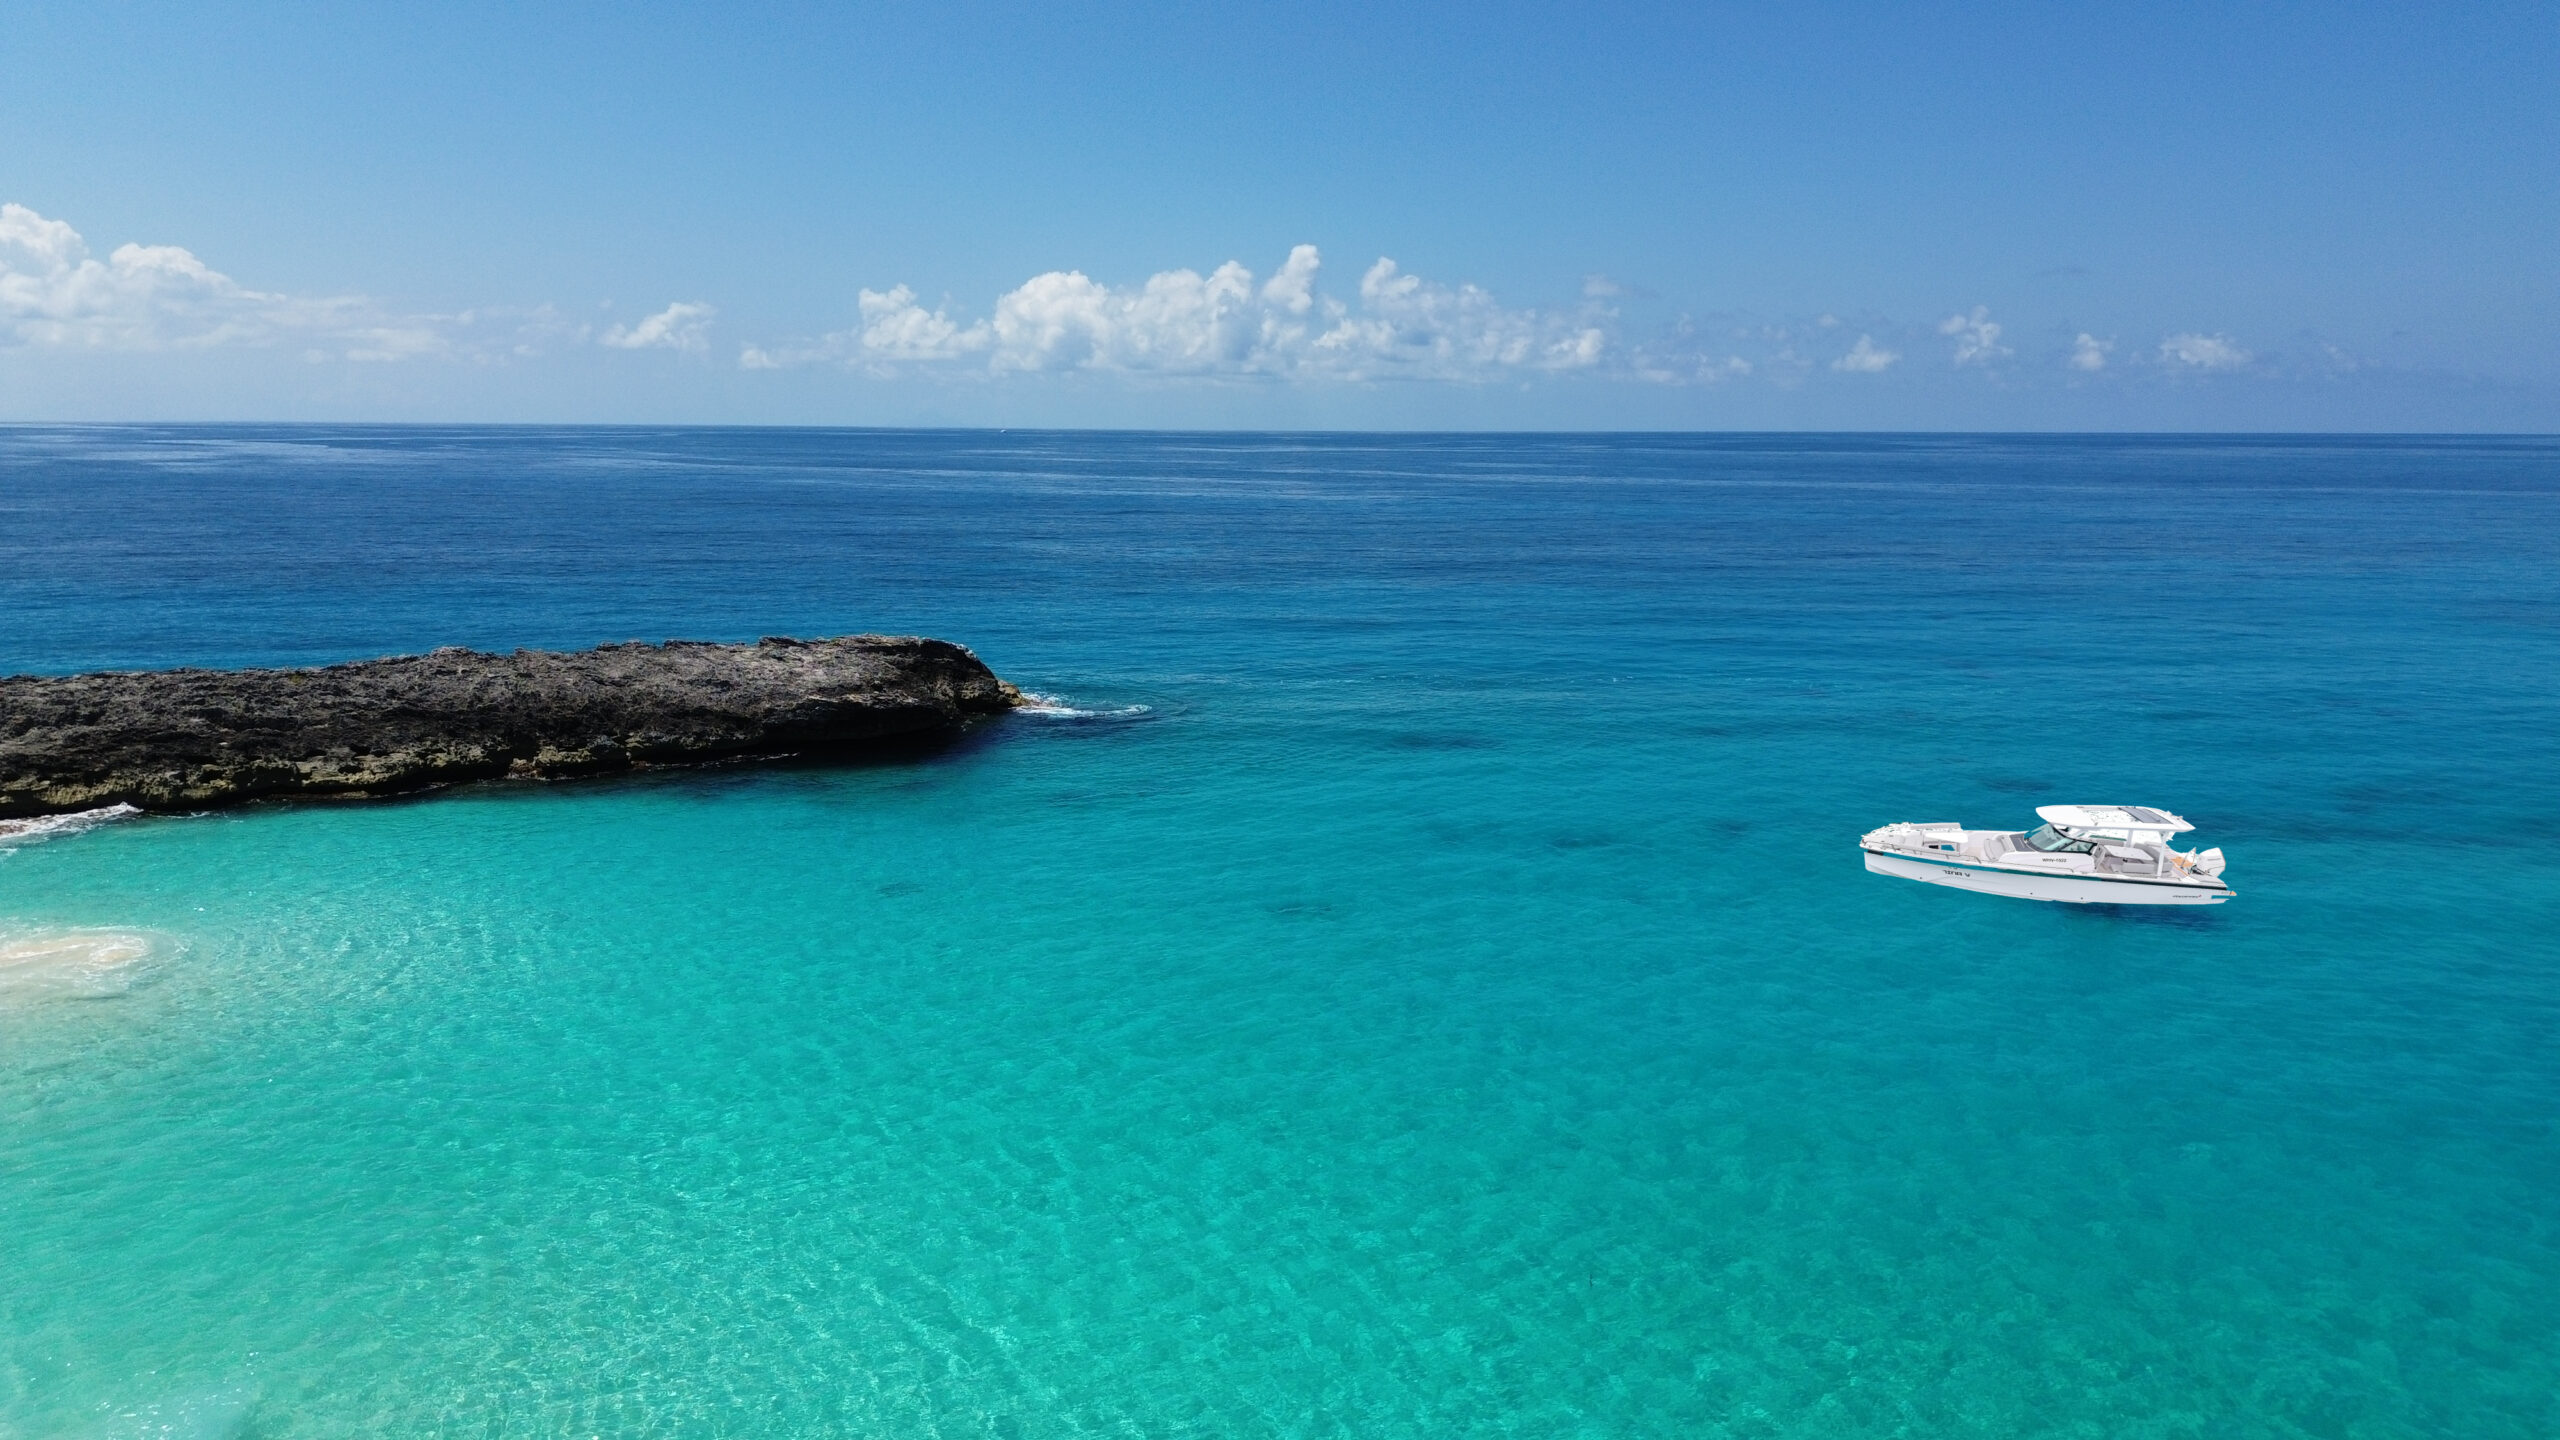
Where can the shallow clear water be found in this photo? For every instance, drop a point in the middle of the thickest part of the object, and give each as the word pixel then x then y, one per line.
pixel 1453 1006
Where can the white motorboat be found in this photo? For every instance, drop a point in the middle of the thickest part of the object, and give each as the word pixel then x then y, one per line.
pixel 2081 855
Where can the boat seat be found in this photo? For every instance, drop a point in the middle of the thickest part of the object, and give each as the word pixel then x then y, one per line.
pixel 2125 860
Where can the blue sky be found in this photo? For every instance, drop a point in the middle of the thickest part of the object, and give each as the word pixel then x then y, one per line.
pixel 2065 217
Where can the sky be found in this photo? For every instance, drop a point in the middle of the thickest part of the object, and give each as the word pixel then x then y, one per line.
pixel 1479 216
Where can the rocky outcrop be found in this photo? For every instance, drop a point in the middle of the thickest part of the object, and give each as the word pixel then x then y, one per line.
pixel 195 739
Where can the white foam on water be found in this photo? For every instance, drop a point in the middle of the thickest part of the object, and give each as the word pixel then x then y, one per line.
pixel 74 964
pixel 45 827
pixel 1053 707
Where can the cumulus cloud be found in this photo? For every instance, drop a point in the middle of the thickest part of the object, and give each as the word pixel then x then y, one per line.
pixel 1293 288
pixel 1977 336
pixel 2203 352
pixel 1865 358
pixel 681 326
pixel 1222 324
pixel 55 294
pixel 1229 323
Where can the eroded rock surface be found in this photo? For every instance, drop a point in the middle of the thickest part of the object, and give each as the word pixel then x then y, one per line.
pixel 195 739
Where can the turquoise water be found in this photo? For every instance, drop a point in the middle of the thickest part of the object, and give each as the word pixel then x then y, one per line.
pixel 1451 1005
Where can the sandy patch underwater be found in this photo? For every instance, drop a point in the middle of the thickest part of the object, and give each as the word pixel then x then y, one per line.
pixel 74 964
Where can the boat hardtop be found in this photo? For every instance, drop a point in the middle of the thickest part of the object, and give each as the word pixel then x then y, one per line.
pixel 2087 854
pixel 2130 820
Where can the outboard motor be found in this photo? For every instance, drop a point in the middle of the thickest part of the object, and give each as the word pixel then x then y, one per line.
pixel 2209 862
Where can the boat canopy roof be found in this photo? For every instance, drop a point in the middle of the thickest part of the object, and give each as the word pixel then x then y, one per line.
pixel 2113 817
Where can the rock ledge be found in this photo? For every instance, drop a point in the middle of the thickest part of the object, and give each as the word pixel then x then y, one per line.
pixel 197 739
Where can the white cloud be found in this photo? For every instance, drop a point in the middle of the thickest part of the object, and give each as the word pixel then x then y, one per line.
pixel 1866 358
pixel 1408 326
pixel 1294 288
pixel 1977 336
pixel 55 295
pixel 1227 323
pixel 1180 322
pixel 680 326
pixel 2204 352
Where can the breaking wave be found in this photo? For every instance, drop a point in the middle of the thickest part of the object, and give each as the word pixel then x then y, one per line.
pixel 1053 707
pixel 45 827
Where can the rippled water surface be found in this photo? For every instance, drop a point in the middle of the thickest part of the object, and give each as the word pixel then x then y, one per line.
pixel 1416 981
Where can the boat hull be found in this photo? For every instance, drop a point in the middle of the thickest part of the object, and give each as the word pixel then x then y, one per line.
pixel 2065 889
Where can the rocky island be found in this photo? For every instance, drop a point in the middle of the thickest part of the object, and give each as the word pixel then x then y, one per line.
pixel 197 739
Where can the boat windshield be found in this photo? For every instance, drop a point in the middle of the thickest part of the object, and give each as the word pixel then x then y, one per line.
pixel 2046 838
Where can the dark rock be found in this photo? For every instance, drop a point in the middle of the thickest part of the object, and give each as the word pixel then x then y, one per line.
pixel 195 739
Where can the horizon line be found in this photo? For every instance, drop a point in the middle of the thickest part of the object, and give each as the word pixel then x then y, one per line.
pixel 637 425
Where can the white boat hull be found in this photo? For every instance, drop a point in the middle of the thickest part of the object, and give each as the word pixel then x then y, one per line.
pixel 2025 885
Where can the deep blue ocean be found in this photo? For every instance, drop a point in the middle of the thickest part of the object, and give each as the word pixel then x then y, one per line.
pixel 1429 989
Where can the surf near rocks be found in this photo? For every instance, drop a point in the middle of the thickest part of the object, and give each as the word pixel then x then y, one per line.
pixel 198 739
